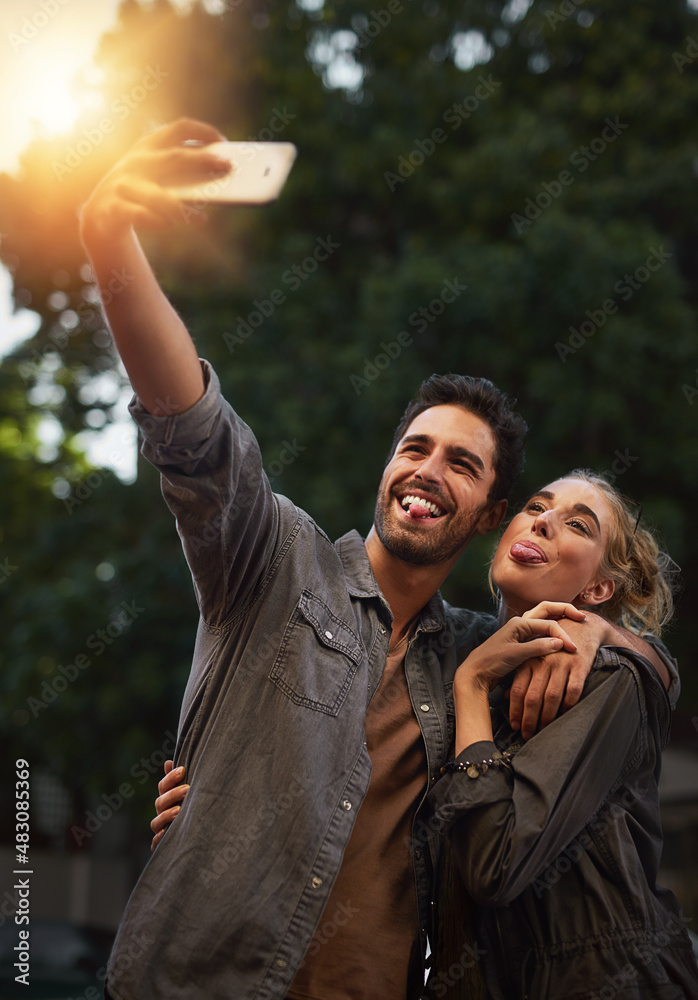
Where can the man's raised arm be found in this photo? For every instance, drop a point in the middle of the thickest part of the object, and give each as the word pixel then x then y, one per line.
pixel 154 344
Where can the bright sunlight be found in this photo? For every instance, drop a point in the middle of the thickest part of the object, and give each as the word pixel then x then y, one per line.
pixel 46 77
pixel 46 90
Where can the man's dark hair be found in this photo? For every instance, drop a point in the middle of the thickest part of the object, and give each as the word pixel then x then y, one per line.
pixel 485 400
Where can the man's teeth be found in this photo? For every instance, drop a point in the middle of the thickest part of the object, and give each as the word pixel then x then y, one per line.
pixel 431 507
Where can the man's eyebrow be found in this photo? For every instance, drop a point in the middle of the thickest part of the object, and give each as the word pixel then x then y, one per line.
pixel 464 452
pixel 455 449
pixel 581 508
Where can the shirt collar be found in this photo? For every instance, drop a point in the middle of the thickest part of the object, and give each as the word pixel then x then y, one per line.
pixel 362 583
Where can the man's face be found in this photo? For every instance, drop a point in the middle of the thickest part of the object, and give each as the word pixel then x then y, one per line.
pixel 445 460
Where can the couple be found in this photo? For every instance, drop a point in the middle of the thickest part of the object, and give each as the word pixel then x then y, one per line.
pixel 337 709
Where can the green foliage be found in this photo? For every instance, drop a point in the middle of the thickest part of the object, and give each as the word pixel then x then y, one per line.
pixel 571 164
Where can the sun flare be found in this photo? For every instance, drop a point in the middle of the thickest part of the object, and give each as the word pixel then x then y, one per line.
pixel 47 77
pixel 50 103
pixel 49 91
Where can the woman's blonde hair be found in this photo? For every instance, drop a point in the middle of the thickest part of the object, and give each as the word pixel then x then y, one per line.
pixel 643 574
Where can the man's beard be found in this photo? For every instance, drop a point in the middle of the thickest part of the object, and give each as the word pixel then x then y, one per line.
pixel 411 543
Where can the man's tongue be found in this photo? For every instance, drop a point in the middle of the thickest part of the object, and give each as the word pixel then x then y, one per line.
pixel 418 510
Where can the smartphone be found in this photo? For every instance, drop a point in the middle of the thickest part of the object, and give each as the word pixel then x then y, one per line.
pixel 259 172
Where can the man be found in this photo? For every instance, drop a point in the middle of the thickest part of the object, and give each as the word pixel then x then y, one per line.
pixel 318 710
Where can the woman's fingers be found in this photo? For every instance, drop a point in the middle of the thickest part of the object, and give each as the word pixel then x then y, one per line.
pixel 160 823
pixel 173 777
pixel 170 798
pixel 172 792
pixel 517 641
pixel 555 609
pixel 163 819
pixel 523 629
pixel 536 694
pixel 167 804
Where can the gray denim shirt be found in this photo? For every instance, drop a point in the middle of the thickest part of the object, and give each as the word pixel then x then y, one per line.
pixel 290 648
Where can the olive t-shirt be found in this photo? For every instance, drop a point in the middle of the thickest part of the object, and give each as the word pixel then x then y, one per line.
pixel 370 927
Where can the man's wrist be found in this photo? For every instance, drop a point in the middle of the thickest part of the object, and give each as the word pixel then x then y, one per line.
pixel 607 633
pixel 595 627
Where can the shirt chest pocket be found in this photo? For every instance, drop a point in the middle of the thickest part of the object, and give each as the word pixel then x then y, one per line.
pixel 318 657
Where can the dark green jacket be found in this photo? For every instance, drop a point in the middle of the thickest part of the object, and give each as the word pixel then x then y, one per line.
pixel 561 847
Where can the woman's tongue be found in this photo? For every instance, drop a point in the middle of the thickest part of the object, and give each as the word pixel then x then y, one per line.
pixel 526 553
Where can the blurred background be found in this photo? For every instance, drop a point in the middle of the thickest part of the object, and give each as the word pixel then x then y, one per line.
pixel 503 189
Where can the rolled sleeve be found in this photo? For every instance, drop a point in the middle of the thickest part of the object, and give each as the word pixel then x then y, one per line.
pixel 214 483
pixel 184 436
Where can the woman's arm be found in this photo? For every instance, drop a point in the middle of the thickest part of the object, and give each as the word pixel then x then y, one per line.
pixel 535 634
pixel 509 822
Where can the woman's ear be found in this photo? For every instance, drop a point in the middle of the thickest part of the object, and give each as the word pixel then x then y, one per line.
pixel 598 593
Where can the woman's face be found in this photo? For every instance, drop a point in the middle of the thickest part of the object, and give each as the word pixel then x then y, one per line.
pixel 551 551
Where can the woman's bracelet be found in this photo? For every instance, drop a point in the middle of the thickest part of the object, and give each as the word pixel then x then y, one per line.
pixel 475 768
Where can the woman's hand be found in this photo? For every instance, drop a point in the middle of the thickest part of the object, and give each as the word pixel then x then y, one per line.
pixel 167 806
pixel 134 192
pixel 555 610
pixel 545 684
pixel 517 641
pixel 536 633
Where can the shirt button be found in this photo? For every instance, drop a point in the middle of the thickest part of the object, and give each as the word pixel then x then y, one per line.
pixel 424 708
pixel 346 804
pixel 418 854
pixel 280 963
pixel 316 882
pixel 328 635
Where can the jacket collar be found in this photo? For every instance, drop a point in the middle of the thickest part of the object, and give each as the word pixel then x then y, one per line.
pixel 362 583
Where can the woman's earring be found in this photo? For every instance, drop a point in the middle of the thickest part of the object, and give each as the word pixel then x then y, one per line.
pixel 585 597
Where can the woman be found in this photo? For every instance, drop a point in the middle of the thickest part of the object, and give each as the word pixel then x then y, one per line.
pixel 559 839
